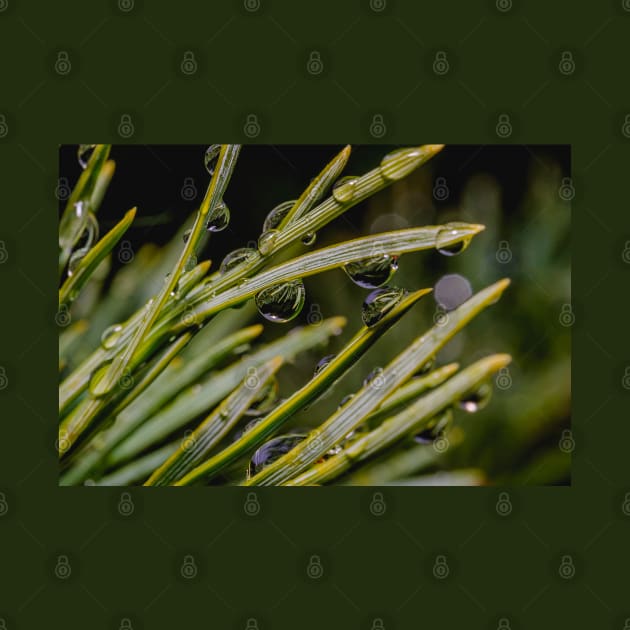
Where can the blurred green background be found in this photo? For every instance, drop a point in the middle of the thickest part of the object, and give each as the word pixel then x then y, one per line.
pixel 520 193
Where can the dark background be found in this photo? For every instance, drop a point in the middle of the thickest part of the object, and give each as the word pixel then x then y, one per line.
pixel 375 62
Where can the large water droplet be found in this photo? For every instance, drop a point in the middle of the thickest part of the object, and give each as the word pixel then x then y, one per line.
pixel 275 216
pixel 445 243
pixel 477 399
pixel 378 303
pixel 322 363
pixel 372 272
pixel 281 302
pixel 309 238
pixel 211 157
pixel 84 153
pixel 97 378
pixel 272 450
pixel 266 241
pixel 237 257
pixel 219 218
pixel 343 189
pixel 110 336
pixel 390 166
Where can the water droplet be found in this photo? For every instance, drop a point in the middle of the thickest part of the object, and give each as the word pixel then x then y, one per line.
pixel 343 189
pixel 211 157
pixel 390 164
pixel 265 400
pixel 372 272
pixel 426 367
pixel 84 153
pixel 219 218
pixel 186 236
pixel 275 216
pixel 237 257
pixel 445 243
pixel 266 241
pixel 376 375
pixel 477 399
pixel 281 302
pixel 435 429
pixel 191 263
pixel 345 400
pixel 272 450
pixel 309 238
pixel 97 378
pixel 91 234
pixel 378 303
pixel 248 427
pixel 110 336
pixel 322 363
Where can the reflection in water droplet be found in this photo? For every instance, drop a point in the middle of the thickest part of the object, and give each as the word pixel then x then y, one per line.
pixel 445 243
pixel 389 167
pixel 309 238
pixel 97 378
pixel 110 336
pixel 281 302
pixel 375 376
pixel 91 235
pixel 322 363
pixel 477 399
pixel 211 157
pixel 237 257
pixel 378 303
pixel 343 189
pixel 372 272
pixel 272 450
pixel 426 367
pixel 435 429
pixel 266 241
pixel 84 153
pixel 275 216
pixel 219 218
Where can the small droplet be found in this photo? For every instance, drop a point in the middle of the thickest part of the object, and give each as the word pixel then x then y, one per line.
pixel 444 241
pixel 426 367
pixel 389 164
pixel 281 302
pixel 322 363
pixel 211 157
pixel 434 430
pixel 376 376
pixel 309 238
pixel 219 218
pixel 275 216
pixel 191 263
pixel 84 153
pixel 378 303
pixel 343 189
pixel 110 336
pixel 477 399
pixel 266 399
pixel 91 235
pixel 372 272
pixel 235 258
pixel 266 241
pixel 186 236
pixel 272 450
pixel 345 400
pixel 248 427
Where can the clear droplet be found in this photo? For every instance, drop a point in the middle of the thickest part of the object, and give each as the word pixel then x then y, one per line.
pixel 372 272
pixel 248 427
pixel 345 400
pixel 322 363
pixel 186 236
pixel 110 336
pixel 445 243
pixel 84 153
pixel 426 367
pixel 211 157
pixel 91 235
pixel 343 189
pixel 266 241
pixel 281 302
pixel 376 376
pixel 477 399
pixel 96 379
pixel 191 263
pixel 237 257
pixel 272 450
pixel 390 167
pixel 309 238
pixel 275 216
pixel 434 430
pixel 219 218
pixel 378 303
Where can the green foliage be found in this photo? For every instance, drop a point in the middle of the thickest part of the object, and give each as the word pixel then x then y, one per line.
pixel 165 398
